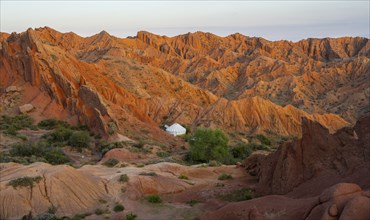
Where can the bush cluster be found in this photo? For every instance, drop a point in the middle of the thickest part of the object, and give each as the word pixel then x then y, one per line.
pixel 163 154
pixel 183 177
pixel 123 178
pixel 48 148
pixel 263 139
pixel 10 125
pixel 154 199
pixel 192 202
pixel 111 162
pixel 211 146
pixel 118 208
pixel 130 216
pixel 49 124
pixel 148 174
pixel 30 152
pixel 105 146
pixel 239 195
pixel 25 181
pixel 79 139
pixel 63 135
pixel 225 176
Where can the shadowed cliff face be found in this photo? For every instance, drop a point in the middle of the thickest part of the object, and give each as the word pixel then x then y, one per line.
pixel 133 85
pixel 307 166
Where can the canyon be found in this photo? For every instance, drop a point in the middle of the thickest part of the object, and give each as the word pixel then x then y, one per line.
pixel 310 97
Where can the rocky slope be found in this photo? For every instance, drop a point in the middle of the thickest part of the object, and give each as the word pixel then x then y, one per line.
pixel 76 191
pixel 133 85
pixel 317 75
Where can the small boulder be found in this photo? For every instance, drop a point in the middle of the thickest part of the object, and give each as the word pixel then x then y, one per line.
pixel 26 108
pixel 11 89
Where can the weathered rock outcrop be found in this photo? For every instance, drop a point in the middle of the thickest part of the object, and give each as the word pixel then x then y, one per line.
pixel 63 187
pixel 316 161
pixel 342 201
pixel 74 191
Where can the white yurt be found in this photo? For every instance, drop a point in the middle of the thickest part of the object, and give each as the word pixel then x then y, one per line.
pixel 175 129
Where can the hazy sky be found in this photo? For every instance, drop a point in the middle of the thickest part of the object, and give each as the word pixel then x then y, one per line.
pixel 274 20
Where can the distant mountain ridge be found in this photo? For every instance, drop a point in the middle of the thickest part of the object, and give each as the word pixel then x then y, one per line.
pixel 133 85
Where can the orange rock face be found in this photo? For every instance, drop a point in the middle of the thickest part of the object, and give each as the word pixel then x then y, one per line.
pixel 133 85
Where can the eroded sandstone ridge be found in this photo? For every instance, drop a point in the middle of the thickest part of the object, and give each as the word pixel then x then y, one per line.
pixel 316 161
pixel 134 84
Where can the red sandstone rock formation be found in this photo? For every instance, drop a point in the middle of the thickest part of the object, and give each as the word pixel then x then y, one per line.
pixel 316 161
pixel 130 85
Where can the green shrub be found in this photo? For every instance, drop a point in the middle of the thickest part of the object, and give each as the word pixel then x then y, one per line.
pixel 79 139
pixel 80 127
pixel 25 181
pixel 260 147
pixel 163 154
pixel 225 176
pixel 139 145
pixel 45 216
pixel 123 178
pixel 56 156
pixel 11 131
pixel 21 136
pixel 208 144
pixel 49 124
pixel 130 216
pixel 148 174
pixel 239 195
pixel 80 216
pixel 154 199
pixel 112 128
pixel 102 201
pixel 118 208
pixel 26 149
pixel 183 177
pixel 192 202
pixel 105 146
pixel 263 139
pixel 54 57
pixel 241 151
pixel 38 151
pixel 10 125
pixel 61 134
pixel 98 212
pixel 52 209
pixel 111 162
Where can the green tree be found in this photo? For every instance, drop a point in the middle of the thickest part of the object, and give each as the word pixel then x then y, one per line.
pixel 80 139
pixel 242 151
pixel 59 135
pixel 208 144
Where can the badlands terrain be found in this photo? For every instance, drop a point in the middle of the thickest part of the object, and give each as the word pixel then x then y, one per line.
pixel 82 127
